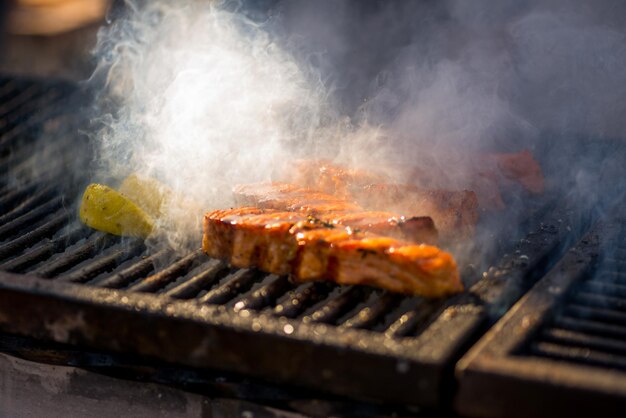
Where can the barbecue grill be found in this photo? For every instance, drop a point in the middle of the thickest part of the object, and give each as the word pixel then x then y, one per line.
pixel 62 282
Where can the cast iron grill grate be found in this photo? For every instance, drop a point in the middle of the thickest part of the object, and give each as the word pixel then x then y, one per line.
pixel 590 326
pixel 561 350
pixel 39 236
pixel 44 243
pixel 65 282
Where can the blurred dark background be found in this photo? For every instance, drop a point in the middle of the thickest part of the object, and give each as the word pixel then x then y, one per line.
pixel 50 38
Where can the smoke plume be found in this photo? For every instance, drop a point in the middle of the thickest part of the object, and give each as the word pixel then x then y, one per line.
pixel 204 95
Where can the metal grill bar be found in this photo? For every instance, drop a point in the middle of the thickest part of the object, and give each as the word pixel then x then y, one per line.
pixel 27 102
pixel 171 273
pixel 406 324
pixel 34 119
pixel 604 288
pixel 266 295
pixel 27 205
pixel 579 355
pixel 211 273
pixel 133 272
pixel 96 243
pixel 608 276
pixel 20 161
pixel 8 88
pixel 232 285
pixel 576 339
pixel 45 251
pixel 46 230
pixel 105 263
pixel 10 199
pixel 332 310
pixel 599 301
pixel 595 314
pixel 370 315
pixel 32 105
pixel 301 298
pixel 30 218
pixel 590 327
pixel 19 101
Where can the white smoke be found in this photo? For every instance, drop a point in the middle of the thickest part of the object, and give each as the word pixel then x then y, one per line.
pixel 203 98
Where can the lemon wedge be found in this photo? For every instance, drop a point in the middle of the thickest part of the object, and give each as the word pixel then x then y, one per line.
pixel 107 210
pixel 147 193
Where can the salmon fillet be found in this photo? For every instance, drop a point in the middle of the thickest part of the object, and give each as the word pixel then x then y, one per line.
pixel 520 167
pixel 309 249
pixel 290 197
pixel 484 183
pixel 485 174
pixel 337 211
pixel 454 212
pixel 331 178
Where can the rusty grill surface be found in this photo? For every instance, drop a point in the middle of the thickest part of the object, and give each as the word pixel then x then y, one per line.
pixel 64 282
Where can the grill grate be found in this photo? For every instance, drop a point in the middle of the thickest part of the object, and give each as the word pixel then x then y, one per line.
pixel 74 285
pixel 561 351
pixel 39 239
pixel 590 327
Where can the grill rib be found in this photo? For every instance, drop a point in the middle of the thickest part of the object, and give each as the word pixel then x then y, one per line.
pixel 604 288
pixel 265 295
pixel 17 103
pixel 96 243
pixel 332 310
pixel 600 301
pixel 30 258
pixel 139 269
pixel 370 315
pixel 105 263
pixel 575 339
pixel 298 300
pixel 209 275
pixel 233 285
pixel 31 217
pixel 577 354
pixel 168 275
pixel 27 205
pixel 599 314
pixel 590 327
pixel 46 230
pixel 29 122
pixel 408 322
pixel 10 199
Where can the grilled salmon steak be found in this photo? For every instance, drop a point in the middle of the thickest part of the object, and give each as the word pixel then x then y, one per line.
pixel 332 178
pixel 455 212
pixel 486 175
pixel 310 249
pixel 335 210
